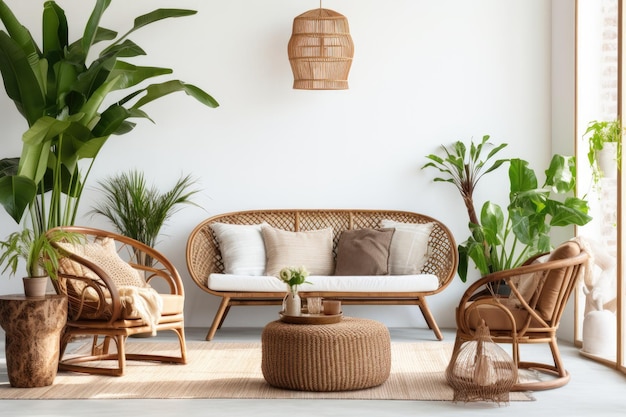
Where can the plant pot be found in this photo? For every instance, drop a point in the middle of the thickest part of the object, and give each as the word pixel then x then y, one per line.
pixel 33 331
pixel 35 286
pixel 607 160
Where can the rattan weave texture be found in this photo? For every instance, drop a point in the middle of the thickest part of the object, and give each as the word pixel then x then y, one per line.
pixel 320 50
pixel 349 355
pixel 204 257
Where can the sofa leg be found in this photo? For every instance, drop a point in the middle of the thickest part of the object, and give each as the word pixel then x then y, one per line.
pixel 219 317
pixel 430 320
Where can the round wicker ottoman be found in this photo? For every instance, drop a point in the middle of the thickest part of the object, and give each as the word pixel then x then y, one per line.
pixel 349 355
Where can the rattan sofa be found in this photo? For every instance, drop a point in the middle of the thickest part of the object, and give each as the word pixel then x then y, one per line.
pixel 204 257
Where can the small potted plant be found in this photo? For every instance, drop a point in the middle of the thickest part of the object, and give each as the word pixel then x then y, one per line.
pixel 605 148
pixel 42 259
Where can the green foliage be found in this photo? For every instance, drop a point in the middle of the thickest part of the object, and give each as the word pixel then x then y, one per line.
pixel 139 211
pixel 293 277
pixel 62 96
pixel 504 239
pixel 598 133
pixel 41 257
pixel 464 170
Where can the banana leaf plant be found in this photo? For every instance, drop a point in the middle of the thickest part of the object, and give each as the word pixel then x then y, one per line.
pixel 502 239
pixel 64 98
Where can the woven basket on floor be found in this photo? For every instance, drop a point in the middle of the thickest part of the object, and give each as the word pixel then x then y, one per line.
pixel 481 370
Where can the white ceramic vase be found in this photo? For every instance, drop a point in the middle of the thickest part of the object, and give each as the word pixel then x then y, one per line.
pixel 292 304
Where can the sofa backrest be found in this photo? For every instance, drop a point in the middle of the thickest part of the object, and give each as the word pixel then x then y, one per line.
pixel 204 258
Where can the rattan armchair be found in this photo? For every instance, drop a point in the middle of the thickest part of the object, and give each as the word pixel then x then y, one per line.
pixel 99 307
pixel 530 314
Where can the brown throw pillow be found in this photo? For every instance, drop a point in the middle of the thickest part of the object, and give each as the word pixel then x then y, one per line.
pixel 363 252
pixel 554 279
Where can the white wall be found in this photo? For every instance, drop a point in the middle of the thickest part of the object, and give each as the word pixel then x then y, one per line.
pixel 425 73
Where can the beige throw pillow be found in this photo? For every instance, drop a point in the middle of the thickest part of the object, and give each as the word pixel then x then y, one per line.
pixel 103 253
pixel 409 246
pixel 242 248
pixel 364 252
pixel 311 249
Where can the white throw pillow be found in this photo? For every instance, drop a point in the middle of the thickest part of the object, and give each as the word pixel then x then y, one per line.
pixel 312 249
pixel 242 248
pixel 409 246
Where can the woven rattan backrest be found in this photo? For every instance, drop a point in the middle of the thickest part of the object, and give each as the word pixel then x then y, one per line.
pixel 204 257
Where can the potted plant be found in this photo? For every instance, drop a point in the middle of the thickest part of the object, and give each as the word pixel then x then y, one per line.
pixel 40 256
pixel 61 93
pixel 62 90
pixel 605 148
pixel 503 239
pixel 139 211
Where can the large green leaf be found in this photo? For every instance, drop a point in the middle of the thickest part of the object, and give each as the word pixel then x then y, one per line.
pixel 492 222
pixel 55 37
pixel 152 17
pixel 572 211
pixel 561 174
pixel 91 28
pixel 156 91
pixel 90 108
pixel 8 166
pixel 133 75
pixel 18 32
pixel 113 120
pixel 75 53
pixel 37 146
pixel 20 82
pixel 521 177
pixel 16 193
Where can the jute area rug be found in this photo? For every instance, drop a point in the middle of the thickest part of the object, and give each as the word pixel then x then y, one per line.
pixel 233 370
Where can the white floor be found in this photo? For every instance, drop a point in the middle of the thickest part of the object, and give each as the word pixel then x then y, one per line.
pixel 594 390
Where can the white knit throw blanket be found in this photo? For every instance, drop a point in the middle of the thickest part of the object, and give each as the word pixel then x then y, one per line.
pixel 145 303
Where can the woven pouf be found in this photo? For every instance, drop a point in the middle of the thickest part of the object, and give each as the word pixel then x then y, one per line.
pixel 349 355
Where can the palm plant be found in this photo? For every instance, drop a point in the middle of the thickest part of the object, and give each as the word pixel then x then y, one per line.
pixel 61 95
pixel 139 211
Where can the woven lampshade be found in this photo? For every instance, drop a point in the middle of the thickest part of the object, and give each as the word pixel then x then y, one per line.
pixel 320 50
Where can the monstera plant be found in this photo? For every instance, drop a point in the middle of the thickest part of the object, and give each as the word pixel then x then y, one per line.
pixel 64 97
pixel 500 238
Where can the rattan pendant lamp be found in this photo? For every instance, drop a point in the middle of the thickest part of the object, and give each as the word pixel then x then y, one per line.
pixel 320 50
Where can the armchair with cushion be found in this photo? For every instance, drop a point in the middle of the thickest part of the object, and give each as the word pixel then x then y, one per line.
pixel 539 291
pixel 116 287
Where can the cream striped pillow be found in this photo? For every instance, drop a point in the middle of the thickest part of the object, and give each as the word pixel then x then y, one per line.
pixel 409 250
pixel 312 249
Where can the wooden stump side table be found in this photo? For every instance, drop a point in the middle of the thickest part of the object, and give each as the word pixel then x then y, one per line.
pixel 33 328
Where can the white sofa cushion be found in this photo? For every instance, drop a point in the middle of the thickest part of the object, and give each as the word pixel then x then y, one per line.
pixel 242 247
pixel 327 283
